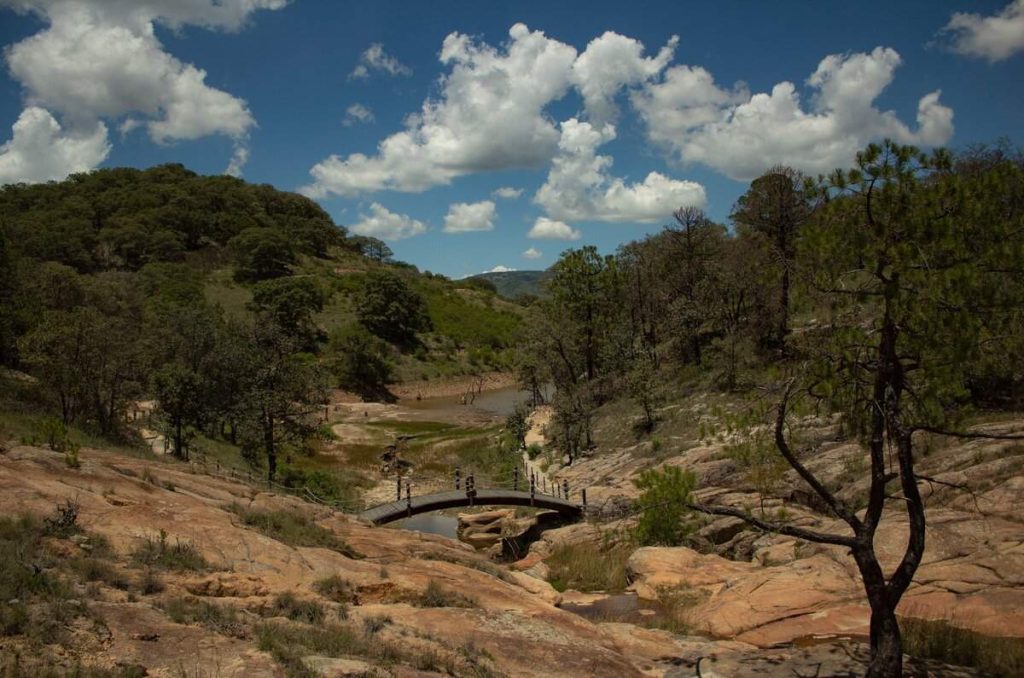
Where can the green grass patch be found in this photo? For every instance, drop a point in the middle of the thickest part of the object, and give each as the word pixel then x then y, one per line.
pixel 292 528
pixel 296 609
pixel 221 619
pixel 159 553
pixel 436 595
pixel 589 567
pixel 951 643
pixel 335 588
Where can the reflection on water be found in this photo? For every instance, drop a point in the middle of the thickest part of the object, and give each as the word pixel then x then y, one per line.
pixel 446 526
pixel 500 401
pixel 619 607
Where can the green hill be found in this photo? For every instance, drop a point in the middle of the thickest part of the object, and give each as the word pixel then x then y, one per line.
pixel 512 284
pixel 168 232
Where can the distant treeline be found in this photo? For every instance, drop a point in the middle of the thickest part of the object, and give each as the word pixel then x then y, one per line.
pixel 800 282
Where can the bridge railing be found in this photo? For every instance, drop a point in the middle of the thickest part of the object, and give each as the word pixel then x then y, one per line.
pixel 518 478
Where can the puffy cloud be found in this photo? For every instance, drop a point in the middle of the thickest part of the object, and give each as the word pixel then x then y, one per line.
pixel 579 187
pixel 376 59
pixel 532 253
pixel 357 113
pixel 229 15
pixel 463 217
pixel 741 135
pixel 610 63
pixel 549 229
pixel 40 150
pixel 238 160
pixel 489 116
pixel 500 269
pixel 387 225
pixel 100 59
pixel 507 192
pixel 988 37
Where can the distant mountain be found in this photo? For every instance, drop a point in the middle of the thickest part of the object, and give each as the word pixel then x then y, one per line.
pixel 511 284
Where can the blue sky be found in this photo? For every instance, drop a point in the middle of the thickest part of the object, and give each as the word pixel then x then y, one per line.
pixel 403 119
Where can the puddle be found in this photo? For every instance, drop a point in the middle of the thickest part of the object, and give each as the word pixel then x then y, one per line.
pixel 616 607
pixel 446 526
pixel 500 401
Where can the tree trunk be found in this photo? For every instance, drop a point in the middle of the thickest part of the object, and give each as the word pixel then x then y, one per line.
pixel 886 642
pixel 784 303
pixel 268 446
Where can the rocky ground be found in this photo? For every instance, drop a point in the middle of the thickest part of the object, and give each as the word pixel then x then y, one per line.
pixel 403 603
pixel 769 589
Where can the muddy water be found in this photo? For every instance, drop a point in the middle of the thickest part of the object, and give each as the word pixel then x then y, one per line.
pixel 500 401
pixel 618 607
pixel 430 523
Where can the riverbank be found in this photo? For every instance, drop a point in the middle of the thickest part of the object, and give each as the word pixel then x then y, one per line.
pixel 453 386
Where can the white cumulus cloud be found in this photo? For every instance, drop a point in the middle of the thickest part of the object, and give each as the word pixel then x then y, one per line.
pixel 550 229
pixel 500 269
pixel 387 225
pixel 610 63
pixel 741 135
pixel 101 59
pixel 357 113
pixel 994 37
pixel 532 253
pixel 376 59
pixel 40 150
pixel 464 217
pixel 507 192
pixel 579 186
pixel 490 115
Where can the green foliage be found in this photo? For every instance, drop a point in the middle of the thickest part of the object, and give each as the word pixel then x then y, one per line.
pixel 292 303
pixel 589 567
pixel 760 462
pixel 951 643
pixel 292 528
pixel 390 309
pixel 517 424
pixel 180 395
pixel 262 253
pixel 287 605
pixel 335 588
pixel 664 495
pixel 360 361
pixel 436 595
pixel 159 553
pixel 221 619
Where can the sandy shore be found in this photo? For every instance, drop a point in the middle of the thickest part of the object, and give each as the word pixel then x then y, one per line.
pixel 454 386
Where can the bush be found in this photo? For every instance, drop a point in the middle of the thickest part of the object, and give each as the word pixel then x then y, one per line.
pixel 948 642
pixel 436 595
pixel 589 567
pixel 293 528
pixel 287 605
pixel 218 618
pixel 663 499
pixel 159 553
pixel 335 588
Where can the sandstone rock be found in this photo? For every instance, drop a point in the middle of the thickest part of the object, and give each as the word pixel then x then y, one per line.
pixel 329 667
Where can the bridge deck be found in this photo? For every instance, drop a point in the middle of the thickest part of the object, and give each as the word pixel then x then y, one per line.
pixel 396 510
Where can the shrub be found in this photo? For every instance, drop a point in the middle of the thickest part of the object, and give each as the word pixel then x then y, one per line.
pixel 335 588
pixel 287 605
pixel 948 642
pixel 293 528
pixel 662 502
pixel 159 553
pixel 220 619
pixel 589 567
pixel 436 595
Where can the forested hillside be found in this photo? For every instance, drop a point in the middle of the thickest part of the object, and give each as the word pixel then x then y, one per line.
pixel 233 306
pixel 887 298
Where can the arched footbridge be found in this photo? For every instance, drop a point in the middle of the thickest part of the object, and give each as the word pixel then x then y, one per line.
pixel 405 506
